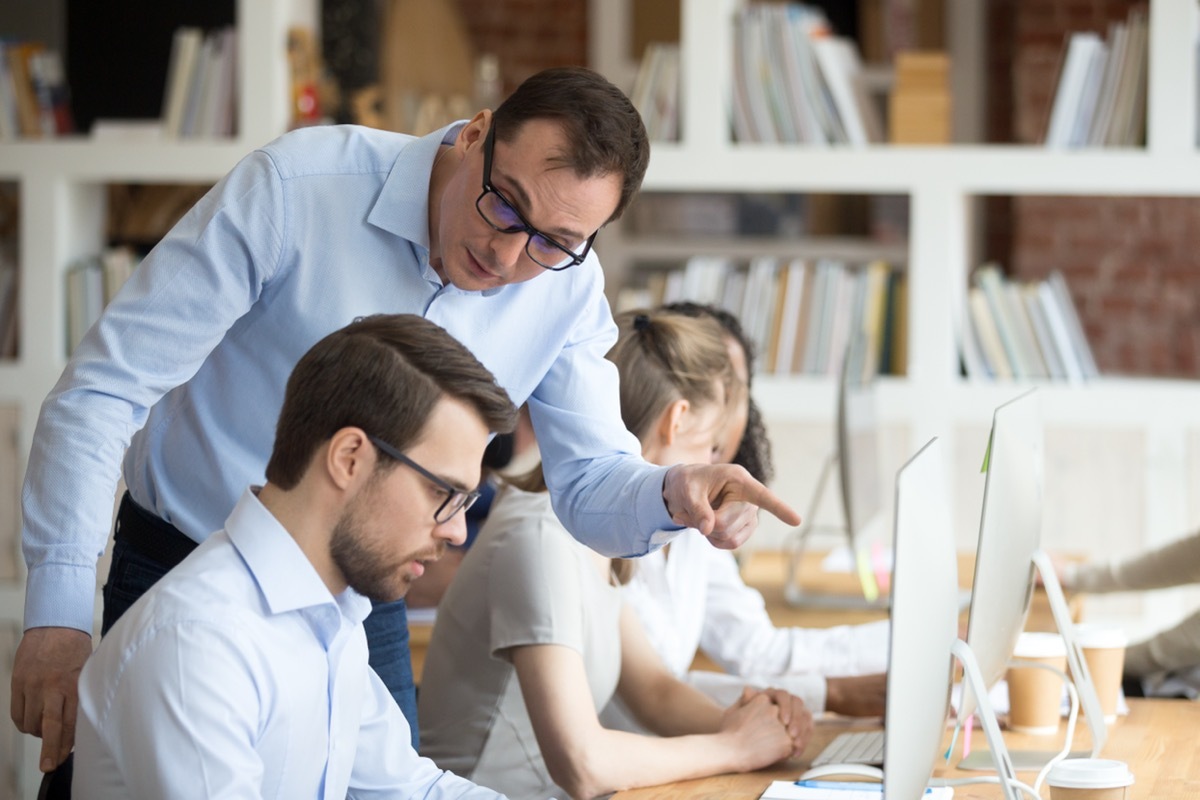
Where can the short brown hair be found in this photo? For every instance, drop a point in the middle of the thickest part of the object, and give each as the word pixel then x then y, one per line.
pixel 384 374
pixel 605 134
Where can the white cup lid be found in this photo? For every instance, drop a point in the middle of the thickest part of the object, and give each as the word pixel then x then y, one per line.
pixel 1039 645
pixel 1100 635
pixel 1089 773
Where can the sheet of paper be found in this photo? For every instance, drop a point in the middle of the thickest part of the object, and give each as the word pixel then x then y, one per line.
pixel 838 790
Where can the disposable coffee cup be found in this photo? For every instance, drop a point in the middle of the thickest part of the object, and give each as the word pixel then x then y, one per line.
pixel 1035 695
pixel 1089 779
pixel 1104 651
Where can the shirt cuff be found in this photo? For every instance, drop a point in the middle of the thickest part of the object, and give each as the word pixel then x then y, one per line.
pixel 651 512
pixel 61 596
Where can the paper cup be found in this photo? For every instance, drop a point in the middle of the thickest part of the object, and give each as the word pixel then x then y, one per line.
pixel 1104 651
pixel 1035 695
pixel 1089 779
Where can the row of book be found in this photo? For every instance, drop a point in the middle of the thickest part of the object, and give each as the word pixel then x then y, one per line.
pixel 1100 99
pixel 92 282
pixel 793 82
pixel 34 101
pixel 1024 330
pixel 796 82
pixel 801 315
pixel 200 98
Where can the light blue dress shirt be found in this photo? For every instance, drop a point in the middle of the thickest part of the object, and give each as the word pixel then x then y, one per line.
pixel 239 675
pixel 188 365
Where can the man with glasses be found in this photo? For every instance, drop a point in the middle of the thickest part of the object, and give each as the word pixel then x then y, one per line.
pixel 484 227
pixel 244 672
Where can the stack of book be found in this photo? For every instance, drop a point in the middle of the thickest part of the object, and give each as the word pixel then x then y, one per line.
pixel 92 282
pixel 200 100
pixel 1100 99
pixel 794 81
pixel 33 93
pixel 1024 331
pixel 800 315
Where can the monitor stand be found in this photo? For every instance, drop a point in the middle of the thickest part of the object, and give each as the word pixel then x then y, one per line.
pixel 998 755
pixel 797 595
pixel 1089 701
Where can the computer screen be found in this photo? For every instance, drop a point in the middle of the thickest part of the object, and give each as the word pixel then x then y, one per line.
pixel 1008 552
pixel 924 637
pixel 924 626
pixel 1010 530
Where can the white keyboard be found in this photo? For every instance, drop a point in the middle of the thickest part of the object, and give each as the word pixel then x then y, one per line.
pixel 864 747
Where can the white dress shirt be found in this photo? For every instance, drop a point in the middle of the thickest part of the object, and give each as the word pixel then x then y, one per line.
pixel 239 675
pixel 694 598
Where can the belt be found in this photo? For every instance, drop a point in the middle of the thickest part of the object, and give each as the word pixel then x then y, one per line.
pixel 151 536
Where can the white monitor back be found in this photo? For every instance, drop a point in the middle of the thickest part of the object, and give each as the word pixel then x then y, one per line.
pixel 924 626
pixel 1010 530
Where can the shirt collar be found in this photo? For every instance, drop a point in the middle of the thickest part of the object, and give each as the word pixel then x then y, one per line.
pixel 402 207
pixel 285 576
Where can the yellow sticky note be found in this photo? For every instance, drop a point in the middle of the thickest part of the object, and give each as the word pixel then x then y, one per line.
pixel 866 576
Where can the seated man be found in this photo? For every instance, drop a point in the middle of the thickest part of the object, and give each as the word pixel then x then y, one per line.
pixel 244 671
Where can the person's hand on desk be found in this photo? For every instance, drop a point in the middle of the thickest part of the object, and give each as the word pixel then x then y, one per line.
pixel 858 696
pixel 770 724
pixel 721 501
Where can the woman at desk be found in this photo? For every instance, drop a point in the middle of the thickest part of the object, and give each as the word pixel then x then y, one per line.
pixel 532 637
pixel 690 596
pixel 1167 663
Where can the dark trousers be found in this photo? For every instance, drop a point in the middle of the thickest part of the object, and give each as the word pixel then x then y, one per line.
pixel 146 548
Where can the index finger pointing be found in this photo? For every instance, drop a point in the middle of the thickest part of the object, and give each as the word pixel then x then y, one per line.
pixel 759 495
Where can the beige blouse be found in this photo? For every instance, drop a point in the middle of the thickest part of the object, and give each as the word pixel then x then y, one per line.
pixel 1173 564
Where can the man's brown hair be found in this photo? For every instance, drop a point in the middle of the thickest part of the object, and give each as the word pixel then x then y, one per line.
pixel 605 134
pixel 384 374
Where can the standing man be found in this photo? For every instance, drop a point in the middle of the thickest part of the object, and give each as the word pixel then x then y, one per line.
pixel 484 227
pixel 243 673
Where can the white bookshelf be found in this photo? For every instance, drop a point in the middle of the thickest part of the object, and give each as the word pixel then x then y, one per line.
pixel 61 184
pixel 1123 455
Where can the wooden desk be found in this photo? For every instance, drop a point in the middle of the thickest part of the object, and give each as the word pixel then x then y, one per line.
pixel 1157 740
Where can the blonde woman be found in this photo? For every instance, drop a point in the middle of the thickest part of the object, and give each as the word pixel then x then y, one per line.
pixel 532 639
pixel 690 597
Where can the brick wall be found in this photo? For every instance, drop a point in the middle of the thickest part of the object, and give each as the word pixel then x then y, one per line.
pixel 1133 264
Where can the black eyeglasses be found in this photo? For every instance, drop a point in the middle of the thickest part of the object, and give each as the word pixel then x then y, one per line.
pixel 498 212
pixel 456 499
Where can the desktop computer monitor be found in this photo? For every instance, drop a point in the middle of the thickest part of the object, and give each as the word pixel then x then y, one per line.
pixel 922 649
pixel 1008 549
pixel 924 626
pixel 856 456
pixel 1010 532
